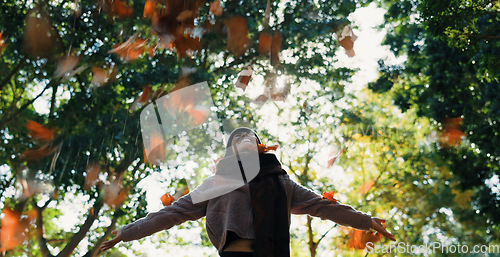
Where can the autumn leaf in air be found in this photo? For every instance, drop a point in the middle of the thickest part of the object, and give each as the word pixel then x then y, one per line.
pixel 167 199
pixel 261 148
pixel 451 135
pixel 149 9
pixel 3 45
pixel 346 39
pixel 131 49
pixel 39 132
pixel 38 34
pixel 101 76
pixel 359 238
pixel 215 8
pixel 91 175
pixel 14 228
pixel 66 67
pixel 114 194
pixel 329 196
pixel 146 92
pixel 237 36
pixel 365 187
pixel 244 78
pixel 275 49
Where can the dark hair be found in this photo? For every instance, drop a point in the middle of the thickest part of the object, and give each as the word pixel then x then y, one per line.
pixel 229 148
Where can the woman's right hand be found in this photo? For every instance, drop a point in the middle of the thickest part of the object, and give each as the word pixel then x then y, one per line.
pixel 110 243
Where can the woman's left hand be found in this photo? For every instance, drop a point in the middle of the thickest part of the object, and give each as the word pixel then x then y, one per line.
pixel 377 226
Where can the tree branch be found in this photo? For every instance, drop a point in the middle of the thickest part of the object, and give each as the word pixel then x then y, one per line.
pixel 12 73
pixel 78 237
pixel 11 117
pixel 95 250
pixel 42 241
pixel 236 62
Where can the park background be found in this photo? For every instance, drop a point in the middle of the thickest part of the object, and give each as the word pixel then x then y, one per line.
pixel 407 129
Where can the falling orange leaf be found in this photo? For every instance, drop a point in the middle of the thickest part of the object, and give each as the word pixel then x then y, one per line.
pixel 237 38
pixel 216 8
pixel 346 40
pixel 92 175
pixel 261 148
pixel 146 92
pixel 157 153
pixel 3 45
pixel 99 76
pixel 452 134
pixel 275 49
pixel 197 116
pixel 37 34
pixel 365 187
pixel 329 196
pixel 244 78
pixel 359 238
pixel 265 42
pixel 38 153
pixel 14 228
pixel 39 132
pixel 167 199
pixel 66 67
pixel 149 9
pixel 131 49
pixel 114 194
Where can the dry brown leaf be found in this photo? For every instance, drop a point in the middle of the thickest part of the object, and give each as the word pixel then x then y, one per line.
pixel 237 36
pixel 244 78
pixel 265 42
pixel 99 76
pixel 66 65
pixel 451 135
pixel 92 175
pixel 131 49
pixel 275 49
pixel 14 228
pixel 365 187
pixel 3 45
pixel 146 92
pixel 216 8
pixel 149 9
pixel 37 34
pixel 40 132
pixel 114 194
pixel 184 15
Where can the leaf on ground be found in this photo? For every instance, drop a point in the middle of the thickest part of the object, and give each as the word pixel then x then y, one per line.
pixel 237 35
pixel 38 34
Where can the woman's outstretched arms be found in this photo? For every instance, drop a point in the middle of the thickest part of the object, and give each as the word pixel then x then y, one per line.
pixel 305 201
pixel 110 243
pixel 180 211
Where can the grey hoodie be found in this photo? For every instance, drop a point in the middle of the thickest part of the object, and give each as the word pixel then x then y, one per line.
pixel 233 212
